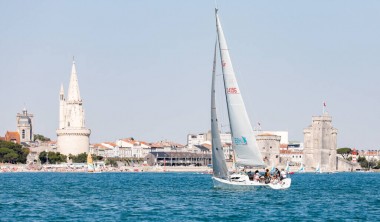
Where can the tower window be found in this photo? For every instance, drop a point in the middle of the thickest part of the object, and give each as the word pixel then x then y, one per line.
pixel 23 134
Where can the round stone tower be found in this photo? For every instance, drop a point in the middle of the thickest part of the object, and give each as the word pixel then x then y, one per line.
pixel 73 136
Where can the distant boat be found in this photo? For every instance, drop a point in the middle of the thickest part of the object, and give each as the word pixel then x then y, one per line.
pixel 243 140
pixel 287 168
pixel 318 169
pixel 301 169
pixel 90 164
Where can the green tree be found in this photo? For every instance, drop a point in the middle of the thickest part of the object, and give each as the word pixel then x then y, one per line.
pixel 12 153
pixel 41 138
pixel 11 157
pixel 363 162
pixel 111 161
pixel 52 157
pixel 80 158
pixel 345 152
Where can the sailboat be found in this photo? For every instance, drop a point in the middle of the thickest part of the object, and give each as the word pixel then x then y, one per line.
pixel 244 144
pixel 90 164
pixel 301 169
pixel 318 169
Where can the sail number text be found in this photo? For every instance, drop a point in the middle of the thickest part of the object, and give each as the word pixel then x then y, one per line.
pixel 232 90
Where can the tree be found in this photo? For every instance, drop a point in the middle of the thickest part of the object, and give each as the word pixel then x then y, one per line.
pixel 52 157
pixel 112 162
pixel 80 158
pixel 345 152
pixel 364 163
pixel 12 152
pixel 41 138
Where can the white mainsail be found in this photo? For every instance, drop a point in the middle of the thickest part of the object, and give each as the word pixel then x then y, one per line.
pixel 243 139
pixel 218 161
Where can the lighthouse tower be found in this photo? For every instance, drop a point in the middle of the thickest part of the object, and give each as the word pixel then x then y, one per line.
pixel 73 136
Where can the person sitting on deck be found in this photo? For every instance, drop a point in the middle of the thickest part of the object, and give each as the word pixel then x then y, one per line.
pixel 275 179
pixel 277 172
pixel 283 174
pixel 267 176
pixel 256 176
pixel 250 175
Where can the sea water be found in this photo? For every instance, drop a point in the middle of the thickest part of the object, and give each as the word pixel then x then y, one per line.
pixel 184 197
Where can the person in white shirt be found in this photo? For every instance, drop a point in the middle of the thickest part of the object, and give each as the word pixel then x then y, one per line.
pixel 282 174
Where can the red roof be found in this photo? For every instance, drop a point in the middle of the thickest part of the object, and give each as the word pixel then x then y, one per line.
pixel 12 136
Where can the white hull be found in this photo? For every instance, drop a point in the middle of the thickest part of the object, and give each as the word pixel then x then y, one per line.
pixel 248 184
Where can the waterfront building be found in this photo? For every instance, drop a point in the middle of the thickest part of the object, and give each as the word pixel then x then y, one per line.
pixel 130 147
pixel 25 126
pixel 12 137
pixel 166 146
pixel 177 159
pixel 73 136
pixel 196 139
pixel 203 148
pixel 370 155
pixel 112 150
pixel 294 157
pixel 295 146
pixel 284 135
pixel 269 145
pixel 320 144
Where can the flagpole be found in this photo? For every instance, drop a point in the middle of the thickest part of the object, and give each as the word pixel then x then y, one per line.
pixel 324 108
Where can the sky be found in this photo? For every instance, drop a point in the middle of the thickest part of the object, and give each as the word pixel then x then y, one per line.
pixel 144 67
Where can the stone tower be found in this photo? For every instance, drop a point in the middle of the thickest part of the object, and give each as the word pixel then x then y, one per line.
pixel 25 126
pixel 269 145
pixel 73 136
pixel 320 144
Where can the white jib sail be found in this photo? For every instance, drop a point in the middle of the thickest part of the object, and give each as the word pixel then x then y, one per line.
pixel 243 139
pixel 218 161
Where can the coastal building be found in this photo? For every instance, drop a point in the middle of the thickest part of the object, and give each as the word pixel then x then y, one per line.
pixel 12 137
pixel 269 145
pixel 196 139
pixel 130 147
pixel 166 146
pixel 203 148
pixel 284 135
pixel 25 126
pixel 73 136
pixel 320 144
pixel 370 155
pixel 177 159
pixel 293 157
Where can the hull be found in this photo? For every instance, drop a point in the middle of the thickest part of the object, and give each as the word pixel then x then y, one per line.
pixel 227 184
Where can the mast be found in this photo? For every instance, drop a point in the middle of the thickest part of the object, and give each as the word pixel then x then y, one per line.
pixel 219 165
pixel 243 139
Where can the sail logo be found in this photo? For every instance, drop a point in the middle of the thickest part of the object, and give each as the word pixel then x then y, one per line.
pixel 240 141
pixel 232 90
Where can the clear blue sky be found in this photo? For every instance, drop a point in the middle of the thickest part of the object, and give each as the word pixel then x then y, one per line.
pixel 144 66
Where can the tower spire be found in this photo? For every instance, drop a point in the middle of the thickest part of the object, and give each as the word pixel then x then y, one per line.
pixel 73 94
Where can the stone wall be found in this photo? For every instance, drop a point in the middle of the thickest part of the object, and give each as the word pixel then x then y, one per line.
pixel 320 144
pixel 269 145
